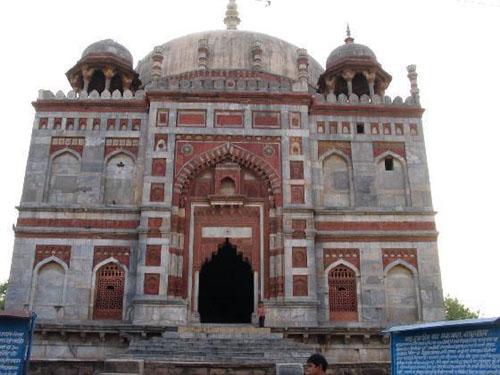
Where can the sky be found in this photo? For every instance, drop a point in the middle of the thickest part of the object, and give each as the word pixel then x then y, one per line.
pixel 454 43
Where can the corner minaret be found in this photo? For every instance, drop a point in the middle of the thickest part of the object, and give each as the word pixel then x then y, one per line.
pixel 232 19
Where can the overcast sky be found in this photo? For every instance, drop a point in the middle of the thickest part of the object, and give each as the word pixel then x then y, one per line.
pixel 454 43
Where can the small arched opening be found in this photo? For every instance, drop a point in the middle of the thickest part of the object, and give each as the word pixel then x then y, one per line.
pixel 97 82
pixel 360 85
pixel 109 292
pixel 343 298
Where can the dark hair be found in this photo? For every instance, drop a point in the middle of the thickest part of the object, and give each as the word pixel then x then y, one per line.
pixel 318 360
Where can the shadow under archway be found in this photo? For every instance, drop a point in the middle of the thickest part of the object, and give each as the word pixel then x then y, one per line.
pixel 226 291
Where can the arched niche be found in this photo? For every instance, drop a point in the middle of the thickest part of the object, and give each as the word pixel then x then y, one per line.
pixel 391 181
pixel 336 180
pixel 119 180
pixel 401 293
pixel 65 168
pixel 48 289
pixel 97 81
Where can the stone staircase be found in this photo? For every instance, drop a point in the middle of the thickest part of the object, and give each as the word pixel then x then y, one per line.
pixel 227 344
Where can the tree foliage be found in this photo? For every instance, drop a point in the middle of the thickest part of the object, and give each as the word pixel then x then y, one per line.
pixel 455 310
pixel 3 292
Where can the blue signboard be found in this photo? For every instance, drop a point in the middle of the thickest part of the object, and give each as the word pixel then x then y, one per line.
pixel 15 342
pixel 467 347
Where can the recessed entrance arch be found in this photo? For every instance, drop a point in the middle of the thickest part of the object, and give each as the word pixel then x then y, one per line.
pixel 226 286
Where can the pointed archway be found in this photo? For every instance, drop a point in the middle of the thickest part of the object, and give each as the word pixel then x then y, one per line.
pixel 226 292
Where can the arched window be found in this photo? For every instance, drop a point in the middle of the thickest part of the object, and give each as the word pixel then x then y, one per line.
pixel 340 86
pixel 391 187
pixel 109 292
pixel 343 299
pixel 49 291
pixel 401 295
pixel 63 184
pixel 116 83
pixel 336 182
pixel 119 180
pixel 360 85
pixel 97 82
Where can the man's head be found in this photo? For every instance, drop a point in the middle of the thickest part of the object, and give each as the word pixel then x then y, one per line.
pixel 316 365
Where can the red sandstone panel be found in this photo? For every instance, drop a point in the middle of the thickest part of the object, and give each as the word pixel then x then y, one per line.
pixel 70 123
pixel 129 144
pixel 391 255
pixel 136 124
pixel 334 127
pixel 332 255
pixel 96 124
pixel 295 146
pixel 123 124
pixel 295 120
pixel 82 124
pixel 120 253
pixel 151 283
pixel 299 228
pixel 297 194
pixel 62 252
pixel 297 170
pixel 266 119
pixel 299 257
pixel 229 119
pixel 162 117
pixel 43 123
pixel 327 146
pixel 153 255
pixel 157 192
pixel 195 118
pixel 111 124
pixel 72 143
pixel 300 286
pixel 320 127
pixel 159 167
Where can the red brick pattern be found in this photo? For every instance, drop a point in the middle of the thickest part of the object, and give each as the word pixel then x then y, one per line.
pixel 73 223
pixel 120 253
pixel 297 170
pixel 153 255
pixel 114 144
pixel 266 119
pixel 157 192
pixel 300 286
pixel 299 257
pixel 333 255
pixel 391 255
pixel 72 143
pixel 196 118
pixel 375 225
pixel 159 167
pixel 109 290
pixel 342 293
pixel 151 283
pixel 62 252
pixel 229 119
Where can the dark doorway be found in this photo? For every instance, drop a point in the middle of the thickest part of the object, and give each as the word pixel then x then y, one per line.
pixel 226 287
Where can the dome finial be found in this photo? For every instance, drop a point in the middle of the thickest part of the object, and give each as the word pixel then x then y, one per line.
pixel 349 39
pixel 232 20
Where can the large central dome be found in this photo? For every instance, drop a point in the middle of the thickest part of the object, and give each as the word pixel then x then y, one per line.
pixel 229 50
